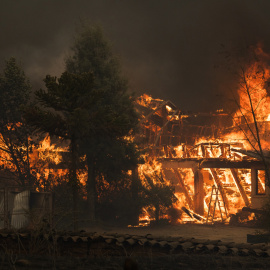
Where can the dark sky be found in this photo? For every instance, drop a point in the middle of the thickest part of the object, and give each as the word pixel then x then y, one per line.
pixel 168 48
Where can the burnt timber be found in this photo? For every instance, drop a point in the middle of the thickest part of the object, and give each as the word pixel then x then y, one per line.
pixel 210 163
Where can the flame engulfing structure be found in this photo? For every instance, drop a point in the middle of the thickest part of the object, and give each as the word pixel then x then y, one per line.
pixel 169 154
pixel 198 152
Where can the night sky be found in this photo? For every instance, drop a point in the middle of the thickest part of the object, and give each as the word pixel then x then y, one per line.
pixel 171 49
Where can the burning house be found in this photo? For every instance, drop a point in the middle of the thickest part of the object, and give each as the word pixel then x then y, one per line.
pixel 205 157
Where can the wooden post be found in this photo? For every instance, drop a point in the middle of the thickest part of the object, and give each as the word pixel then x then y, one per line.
pixel 253 182
pixel 198 192
pixel 134 218
pixel 164 130
pixel 6 213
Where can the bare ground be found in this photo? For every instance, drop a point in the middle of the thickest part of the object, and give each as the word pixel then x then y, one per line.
pixel 226 233
pixel 153 260
pixel 149 262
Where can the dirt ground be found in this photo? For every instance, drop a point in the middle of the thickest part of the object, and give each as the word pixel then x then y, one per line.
pixel 154 260
pixel 226 233
pixel 149 262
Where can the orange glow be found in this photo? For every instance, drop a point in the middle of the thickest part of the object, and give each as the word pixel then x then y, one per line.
pixel 45 161
pixel 252 94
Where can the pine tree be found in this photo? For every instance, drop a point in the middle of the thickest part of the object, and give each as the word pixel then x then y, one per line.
pixel 108 149
pixel 15 143
pixel 63 111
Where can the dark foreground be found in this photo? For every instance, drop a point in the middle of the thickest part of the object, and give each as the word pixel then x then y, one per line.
pixel 148 261
pixel 86 250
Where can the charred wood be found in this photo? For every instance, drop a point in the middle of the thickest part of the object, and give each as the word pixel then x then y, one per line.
pixel 239 186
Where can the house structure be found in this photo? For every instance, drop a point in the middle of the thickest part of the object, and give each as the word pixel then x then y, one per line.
pixel 195 158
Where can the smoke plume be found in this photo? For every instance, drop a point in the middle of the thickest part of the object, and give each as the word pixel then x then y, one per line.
pixel 169 49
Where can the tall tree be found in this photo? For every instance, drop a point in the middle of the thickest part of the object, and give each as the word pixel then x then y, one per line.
pixel 63 112
pixel 109 150
pixel 14 133
pixel 251 71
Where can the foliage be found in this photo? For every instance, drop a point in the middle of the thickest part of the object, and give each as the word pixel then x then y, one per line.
pixel 15 143
pixel 158 194
pixel 63 112
pixel 91 51
pixel 114 118
pixel 63 106
pixel 115 202
pixel 109 147
pixel 263 219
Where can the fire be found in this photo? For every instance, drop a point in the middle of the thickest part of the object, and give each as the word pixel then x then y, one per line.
pixel 254 102
pixel 49 152
pixel 51 155
pixel 149 168
pixel 44 159
pixel 146 101
pixel 253 95
pixel 163 137
pixel 46 162
pixel 229 143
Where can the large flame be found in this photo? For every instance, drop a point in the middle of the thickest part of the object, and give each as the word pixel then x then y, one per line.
pixel 254 101
pixel 46 163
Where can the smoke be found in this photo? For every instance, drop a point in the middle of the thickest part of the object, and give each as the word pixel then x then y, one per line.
pixel 169 49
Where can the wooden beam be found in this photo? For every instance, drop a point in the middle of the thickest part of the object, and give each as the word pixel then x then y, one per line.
pixel 183 187
pixel 175 164
pixel 152 111
pixel 210 163
pixel 239 186
pixel 163 128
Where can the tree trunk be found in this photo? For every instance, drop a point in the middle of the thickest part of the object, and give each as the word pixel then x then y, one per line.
pixel 157 210
pixel 91 189
pixel 74 182
pixel 135 211
pixel 75 207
